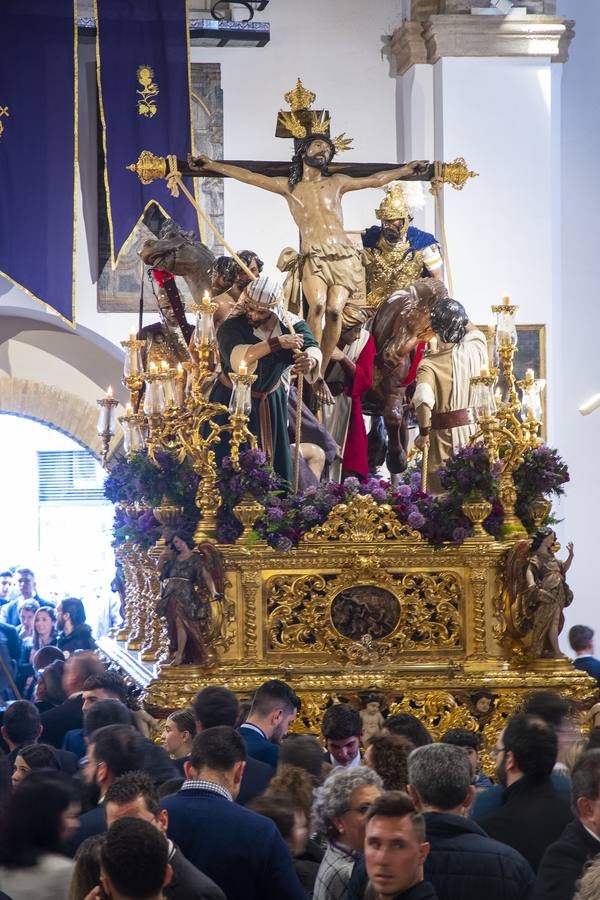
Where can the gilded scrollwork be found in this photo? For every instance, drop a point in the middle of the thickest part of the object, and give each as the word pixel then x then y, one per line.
pixel 429 617
pixel 362 519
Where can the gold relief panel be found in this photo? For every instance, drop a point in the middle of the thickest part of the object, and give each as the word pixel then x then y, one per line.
pixel 363 614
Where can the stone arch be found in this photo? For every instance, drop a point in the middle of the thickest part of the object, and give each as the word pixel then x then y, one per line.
pixel 56 408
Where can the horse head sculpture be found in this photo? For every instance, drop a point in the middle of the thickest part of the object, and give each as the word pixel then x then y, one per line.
pixel 179 252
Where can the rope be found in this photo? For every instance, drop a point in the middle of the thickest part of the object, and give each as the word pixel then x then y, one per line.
pixel 175 184
pixel 437 184
pixel 425 465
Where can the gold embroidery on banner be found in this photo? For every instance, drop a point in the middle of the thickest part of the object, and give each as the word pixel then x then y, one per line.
pixel 3 112
pixel 145 76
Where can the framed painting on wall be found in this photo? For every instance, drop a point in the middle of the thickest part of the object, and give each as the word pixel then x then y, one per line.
pixel 531 354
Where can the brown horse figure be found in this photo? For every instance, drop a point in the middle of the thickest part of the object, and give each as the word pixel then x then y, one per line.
pixel 398 327
pixel 179 252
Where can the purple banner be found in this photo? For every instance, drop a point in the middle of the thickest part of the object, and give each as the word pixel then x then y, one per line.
pixel 38 149
pixel 144 88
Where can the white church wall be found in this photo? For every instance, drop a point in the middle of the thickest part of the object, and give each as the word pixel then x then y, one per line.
pixel 337 48
pixel 579 324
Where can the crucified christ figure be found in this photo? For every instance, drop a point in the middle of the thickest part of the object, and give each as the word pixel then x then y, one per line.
pixel 331 265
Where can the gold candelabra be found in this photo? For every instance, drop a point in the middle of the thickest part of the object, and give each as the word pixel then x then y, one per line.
pixel 502 427
pixel 176 416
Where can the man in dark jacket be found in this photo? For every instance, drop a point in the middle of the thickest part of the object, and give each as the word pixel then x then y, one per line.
pixel 564 861
pixel 274 708
pixel 21 726
pixel 60 719
pixel 533 814
pixel 581 639
pixel 74 633
pixel 240 850
pixel 463 861
pixel 395 850
pixel 217 705
pixel 134 796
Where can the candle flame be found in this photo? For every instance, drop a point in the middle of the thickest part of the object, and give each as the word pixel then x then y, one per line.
pixel 164 365
pixel 243 369
pixel 109 392
pixel 179 368
pixel 506 300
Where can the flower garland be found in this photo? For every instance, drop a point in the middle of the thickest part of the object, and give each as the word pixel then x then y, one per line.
pixel 138 486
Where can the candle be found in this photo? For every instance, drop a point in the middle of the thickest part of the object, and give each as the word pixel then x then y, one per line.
pixel 153 368
pixel 132 334
pixel 206 297
pixel 180 385
pixel 129 410
pixel 506 300
pixel 109 393
pixel 529 375
pixel 243 369
pixel 484 372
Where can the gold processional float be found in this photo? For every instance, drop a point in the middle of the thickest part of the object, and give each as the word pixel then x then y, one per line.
pixel 364 607
pixel 443 639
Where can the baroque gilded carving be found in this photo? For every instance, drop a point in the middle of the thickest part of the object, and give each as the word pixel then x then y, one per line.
pixel 361 520
pixel 302 612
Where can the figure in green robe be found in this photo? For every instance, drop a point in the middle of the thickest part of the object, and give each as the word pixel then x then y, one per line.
pixel 271 343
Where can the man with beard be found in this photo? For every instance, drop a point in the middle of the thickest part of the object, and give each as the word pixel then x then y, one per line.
pixel 269 342
pixel 167 339
pixel 224 287
pixel 331 266
pixel 398 254
pixel 274 708
pixel 254 263
pixel 533 813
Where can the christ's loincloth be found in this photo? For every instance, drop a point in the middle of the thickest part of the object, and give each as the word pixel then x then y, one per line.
pixel 337 265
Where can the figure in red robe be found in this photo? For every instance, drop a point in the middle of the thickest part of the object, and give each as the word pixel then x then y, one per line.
pixel 349 377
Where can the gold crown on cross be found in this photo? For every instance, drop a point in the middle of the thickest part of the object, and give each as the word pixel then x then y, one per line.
pixel 300 121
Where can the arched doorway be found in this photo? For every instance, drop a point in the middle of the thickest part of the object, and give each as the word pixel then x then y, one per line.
pixel 56 519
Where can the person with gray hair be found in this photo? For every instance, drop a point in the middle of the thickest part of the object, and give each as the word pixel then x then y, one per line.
pixel 589 886
pixel 565 859
pixel 340 813
pixel 463 861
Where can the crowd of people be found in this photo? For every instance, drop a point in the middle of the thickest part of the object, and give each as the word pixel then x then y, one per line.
pixel 225 802
pixel 34 633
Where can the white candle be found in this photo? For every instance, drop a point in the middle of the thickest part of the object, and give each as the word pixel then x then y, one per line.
pixel 243 369
pixel 109 393
pixel 484 372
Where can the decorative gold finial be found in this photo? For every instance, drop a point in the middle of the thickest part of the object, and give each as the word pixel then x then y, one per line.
pixel 299 97
pixel 457 173
pixel 149 167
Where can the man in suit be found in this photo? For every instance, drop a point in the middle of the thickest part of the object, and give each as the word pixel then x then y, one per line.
pixel 107 685
pixel 21 726
pixel 274 708
pixel 112 751
pixel 60 719
pixel 581 639
pixel 134 796
pixel 240 850
pixel 342 731
pixel 217 705
pixel 27 591
pixel 534 813
pixel 565 860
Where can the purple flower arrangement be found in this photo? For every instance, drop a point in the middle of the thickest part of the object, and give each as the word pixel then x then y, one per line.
pixel 287 517
pixel 543 473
